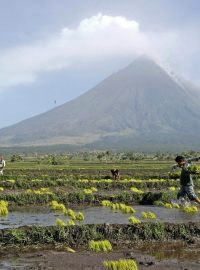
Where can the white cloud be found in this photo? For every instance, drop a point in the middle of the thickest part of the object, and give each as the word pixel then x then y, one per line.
pixel 97 38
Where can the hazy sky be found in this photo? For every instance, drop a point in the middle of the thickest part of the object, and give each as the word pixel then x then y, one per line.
pixel 53 50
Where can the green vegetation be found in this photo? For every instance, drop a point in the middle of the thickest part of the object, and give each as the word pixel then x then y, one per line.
pixel 100 246
pixel 120 265
pixel 80 235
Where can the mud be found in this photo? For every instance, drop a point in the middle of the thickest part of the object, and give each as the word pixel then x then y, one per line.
pixel 85 260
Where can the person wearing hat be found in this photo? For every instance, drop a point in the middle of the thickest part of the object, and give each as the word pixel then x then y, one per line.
pixel 186 181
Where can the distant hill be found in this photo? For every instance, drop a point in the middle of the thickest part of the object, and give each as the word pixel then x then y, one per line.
pixel 138 107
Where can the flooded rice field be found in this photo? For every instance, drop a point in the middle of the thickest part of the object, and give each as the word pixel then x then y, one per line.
pixel 44 216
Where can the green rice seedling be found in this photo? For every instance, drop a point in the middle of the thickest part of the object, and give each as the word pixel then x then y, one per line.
pixel 120 265
pixel 172 188
pixel 36 180
pixel 168 205
pixel 79 216
pixel 144 215
pixel 3 208
pixel 194 169
pixel 94 189
pixel 174 175
pixel 151 215
pixel 1 189
pixel 11 180
pixel 159 203
pixel 70 213
pixel 134 220
pixel 71 222
pixel 117 206
pixel 40 191
pixel 83 180
pixel 128 210
pixel 100 246
pixel 175 205
pixel 137 180
pixel 60 222
pixel 102 181
pixel 87 191
pixel 106 203
pixel 190 209
pixel 139 191
pixel 113 206
pixel 57 206
pixel 68 249
pixel 44 191
pixel 156 180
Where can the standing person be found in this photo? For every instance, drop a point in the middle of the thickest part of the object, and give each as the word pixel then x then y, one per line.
pixel 186 181
pixel 2 165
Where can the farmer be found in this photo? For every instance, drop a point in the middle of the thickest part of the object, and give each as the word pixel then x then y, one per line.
pixel 186 182
pixel 2 165
pixel 115 173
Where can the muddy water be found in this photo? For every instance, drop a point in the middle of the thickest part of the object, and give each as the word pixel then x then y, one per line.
pixel 174 250
pixel 44 216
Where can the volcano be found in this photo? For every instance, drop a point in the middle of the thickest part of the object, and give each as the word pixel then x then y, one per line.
pixel 138 107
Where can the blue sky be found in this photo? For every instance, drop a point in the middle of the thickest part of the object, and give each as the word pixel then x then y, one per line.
pixel 55 50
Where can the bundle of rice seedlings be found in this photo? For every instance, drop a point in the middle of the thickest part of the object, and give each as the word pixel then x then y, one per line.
pixel 100 246
pixel 144 215
pixel 159 203
pixel 11 180
pixel 134 189
pixel 83 180
pixel 79 216
pixel 106 203
pixel 3 208
pixel 168 205
pixel 1 189
pixel 126 209
pixel 134 220
pixel 172 188
pixel 120 265
pixel 175 205
pixel 57 206
pixel 151 215
pixel 70 213
pixel 70 222
pixel 87 191
pixel 194 169
pixel 60 222
pixel 190 209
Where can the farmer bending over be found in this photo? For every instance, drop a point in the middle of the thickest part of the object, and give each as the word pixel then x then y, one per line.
pixel 186 181
pixel 115 173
